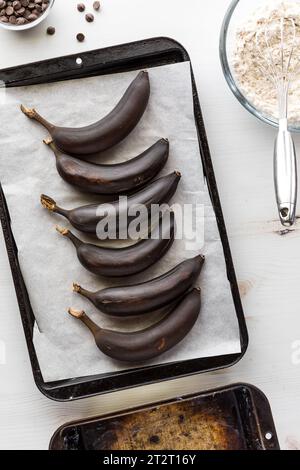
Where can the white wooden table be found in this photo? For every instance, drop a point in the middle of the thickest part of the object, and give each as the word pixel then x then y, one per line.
pixel 267 264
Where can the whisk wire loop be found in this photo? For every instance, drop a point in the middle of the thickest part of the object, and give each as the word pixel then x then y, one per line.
pixel 277 64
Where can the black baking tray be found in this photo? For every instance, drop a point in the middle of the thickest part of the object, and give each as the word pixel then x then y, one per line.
pixel 137 55
pixel 236 417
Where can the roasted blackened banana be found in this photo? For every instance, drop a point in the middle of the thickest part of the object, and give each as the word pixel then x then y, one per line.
pixel 147 296
pixel 105 133
pixel 86 218
pixel 119 262
pixel 151 342
pixel 113 179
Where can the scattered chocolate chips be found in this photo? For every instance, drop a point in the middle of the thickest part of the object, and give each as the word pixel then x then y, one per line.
pixel 96 6
pixel 80 37
pixel 51 30
pixel 20 12
pixel 81 7
pixel 89 17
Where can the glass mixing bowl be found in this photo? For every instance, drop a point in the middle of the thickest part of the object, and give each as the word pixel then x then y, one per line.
pixel 14 27
pixel 237 13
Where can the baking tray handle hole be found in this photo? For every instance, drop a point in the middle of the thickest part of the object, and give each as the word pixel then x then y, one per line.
pixel 79 61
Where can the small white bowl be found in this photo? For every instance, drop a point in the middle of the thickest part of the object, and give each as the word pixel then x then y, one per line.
pixel 15 27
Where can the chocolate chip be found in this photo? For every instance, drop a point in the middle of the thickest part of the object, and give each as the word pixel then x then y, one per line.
pixel 3 19
pixel 80 37
pixel 9 11
pixel 81 7
pixel 17 5
pixel 89 17
pixel 96 6
pixel 154 439
pixel 20 12
pixel 12 19
pixel 27 13
pixel 51 30
pixel 20 21
pixel 24 3
pixel 2 4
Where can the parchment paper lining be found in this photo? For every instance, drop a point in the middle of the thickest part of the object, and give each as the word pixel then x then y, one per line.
pixel 65 349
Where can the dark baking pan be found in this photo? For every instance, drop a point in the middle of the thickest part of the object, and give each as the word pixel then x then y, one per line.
pixel 137 55
pixel 232 418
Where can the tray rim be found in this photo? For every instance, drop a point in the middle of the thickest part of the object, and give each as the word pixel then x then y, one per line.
pixel 217 362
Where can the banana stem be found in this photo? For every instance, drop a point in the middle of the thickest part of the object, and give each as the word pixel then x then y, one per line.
pixel 51 144
pixel 63 231
pixel 80 290
pixel 33 114
pixel 77 288
pixel 81 315
pixel 49 204
pixel 66 233
pixel 49 141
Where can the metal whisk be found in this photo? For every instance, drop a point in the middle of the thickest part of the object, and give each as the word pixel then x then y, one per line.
pixel 280 65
